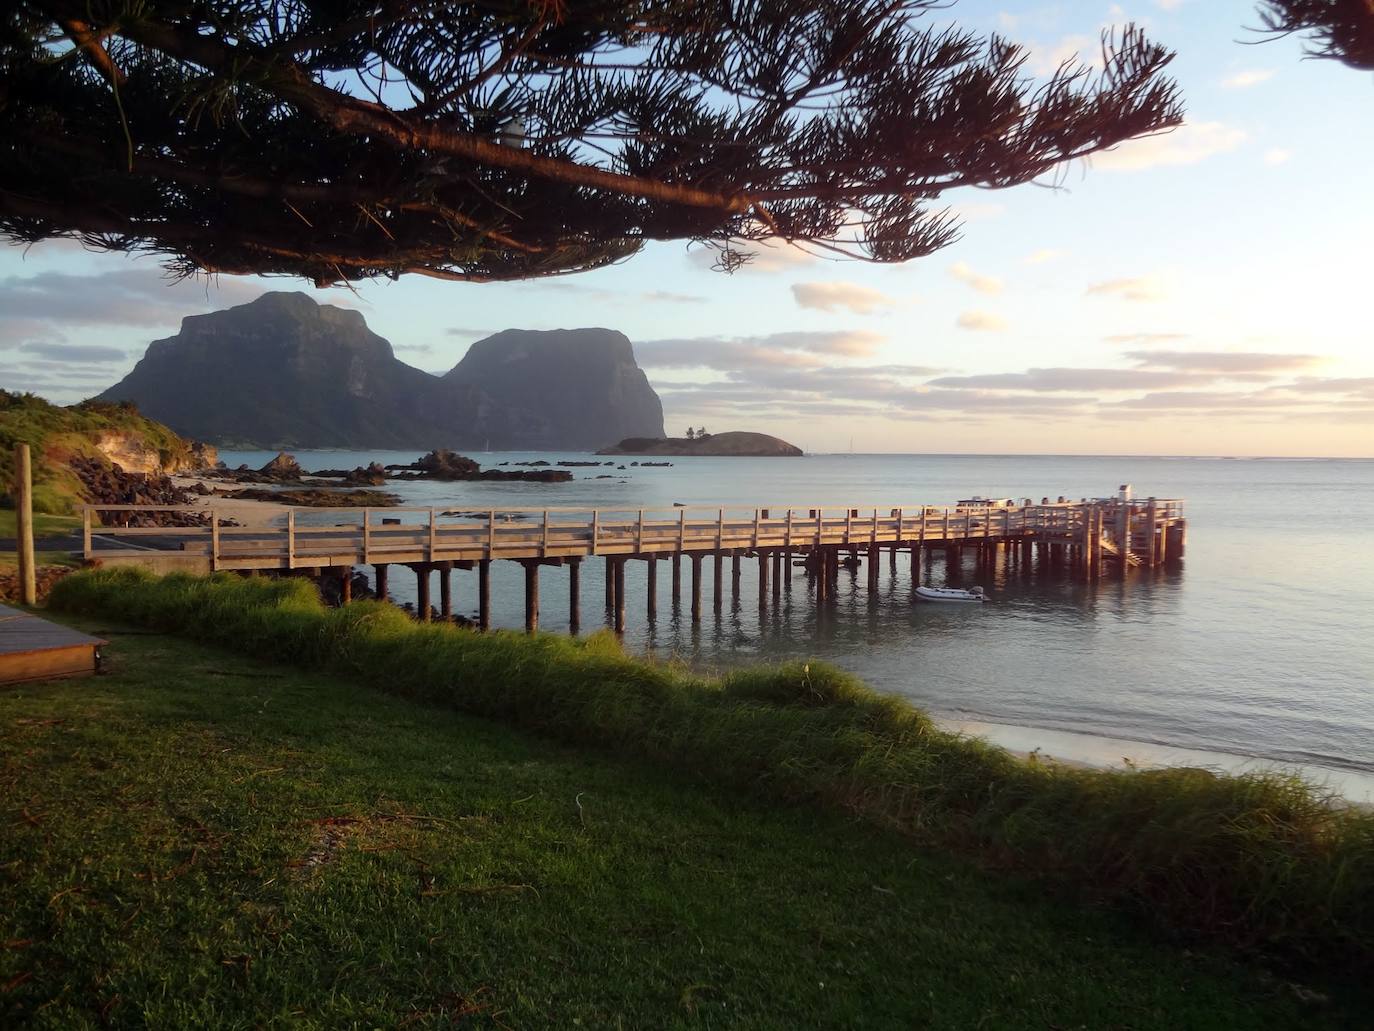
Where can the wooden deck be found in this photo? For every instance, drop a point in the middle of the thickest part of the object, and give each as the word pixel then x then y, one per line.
pixel 1135 530
pixel 34 649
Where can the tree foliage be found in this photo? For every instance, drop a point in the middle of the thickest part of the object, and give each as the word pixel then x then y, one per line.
pixel 510 139
pixel 1343 30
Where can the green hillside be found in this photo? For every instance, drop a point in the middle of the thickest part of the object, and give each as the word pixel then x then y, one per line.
pixel 57 434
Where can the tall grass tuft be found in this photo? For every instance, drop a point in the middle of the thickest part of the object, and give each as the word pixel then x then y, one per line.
pixel 1261 860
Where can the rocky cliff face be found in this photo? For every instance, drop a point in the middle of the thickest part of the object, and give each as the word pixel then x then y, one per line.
pixel 282 371
pixel 285 371
pixel 134 453
pixel 581 387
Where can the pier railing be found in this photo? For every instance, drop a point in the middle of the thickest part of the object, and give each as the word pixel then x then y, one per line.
pixel 308 538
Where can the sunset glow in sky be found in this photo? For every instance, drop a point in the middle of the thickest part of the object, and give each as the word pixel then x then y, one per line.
pixel 1202 292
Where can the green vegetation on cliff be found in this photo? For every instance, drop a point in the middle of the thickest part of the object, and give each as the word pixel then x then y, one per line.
pixel 205 839
pixel 91 429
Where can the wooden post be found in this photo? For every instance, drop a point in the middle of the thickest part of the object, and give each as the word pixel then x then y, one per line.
pixel 23 510
pixel 620 595
pixel 422 590
pixel 777 576
pixel 86 534
pixel 718 586
pixel 381 591
pixel 874 557
pixel 610 581
pixel 651 588
pixel 696 588
pixel 214 538
pixel 446 590
pixel 734 577
pixel 531 595
pixel 345 585
pixel 1151 534
pixel 1123 533
pixel 367 535
pixel 433 536
pixel 787 566
pixel 290 538
pixel 484 594
pixel 491 533
pixel 574 596
pixel 676 561
pixel 763 579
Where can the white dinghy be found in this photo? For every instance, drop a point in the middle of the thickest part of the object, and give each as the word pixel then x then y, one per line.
pixel 951 594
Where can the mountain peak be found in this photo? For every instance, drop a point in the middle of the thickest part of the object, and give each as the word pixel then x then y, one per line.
pixel 285 371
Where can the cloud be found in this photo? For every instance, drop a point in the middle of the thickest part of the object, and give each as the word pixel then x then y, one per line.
pixel 1225 361
pixel 1065 379
pixel 1277 156
pixel 596 293
pixel 1145 338
pixel 1045 59
pixel 763 257
pixel 1043 255
pixel 862 300
pixel 75 352
pixel 671 297
pixel 125 297
pixel 977 211
pixel 463 331
pixel 1186 145
pixel 983 284
pixel 798 349
pixel 981 321
pixel 417 348
pixel 1139 288
pixel 1246 79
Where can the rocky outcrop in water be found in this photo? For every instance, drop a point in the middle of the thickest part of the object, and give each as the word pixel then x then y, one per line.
pixel 733 444
pixel 443 464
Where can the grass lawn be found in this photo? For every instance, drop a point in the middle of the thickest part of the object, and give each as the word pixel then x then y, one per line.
pixel 44 525
pixel 200 839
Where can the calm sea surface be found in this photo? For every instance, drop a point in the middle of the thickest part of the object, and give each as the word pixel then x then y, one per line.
pixel 1262 644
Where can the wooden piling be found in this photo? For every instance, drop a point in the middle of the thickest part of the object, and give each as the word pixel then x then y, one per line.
pixel 651 589
pixel 620 596
pixel 610 582
pixel 1151 535
pixel 718 586
pixel 381 580
pixel 763 579
pixel 345 584
pixel 484 594
pixel 874 557
pixel 574 596
pixel 676 561
pixel 422 591
pixel 446 590
pixel 734 577
pixel 696 587
pixel 23 511
pixel 531 595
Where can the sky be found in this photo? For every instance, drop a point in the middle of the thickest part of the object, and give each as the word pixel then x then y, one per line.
pixel 1202 292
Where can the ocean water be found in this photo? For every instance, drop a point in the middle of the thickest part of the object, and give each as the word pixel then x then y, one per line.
pixel 1262 644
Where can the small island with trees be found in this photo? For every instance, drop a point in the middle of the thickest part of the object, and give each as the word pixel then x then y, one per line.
pixel 736 444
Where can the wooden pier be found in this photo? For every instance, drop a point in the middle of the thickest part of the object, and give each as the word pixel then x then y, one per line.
pixel 1092 537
